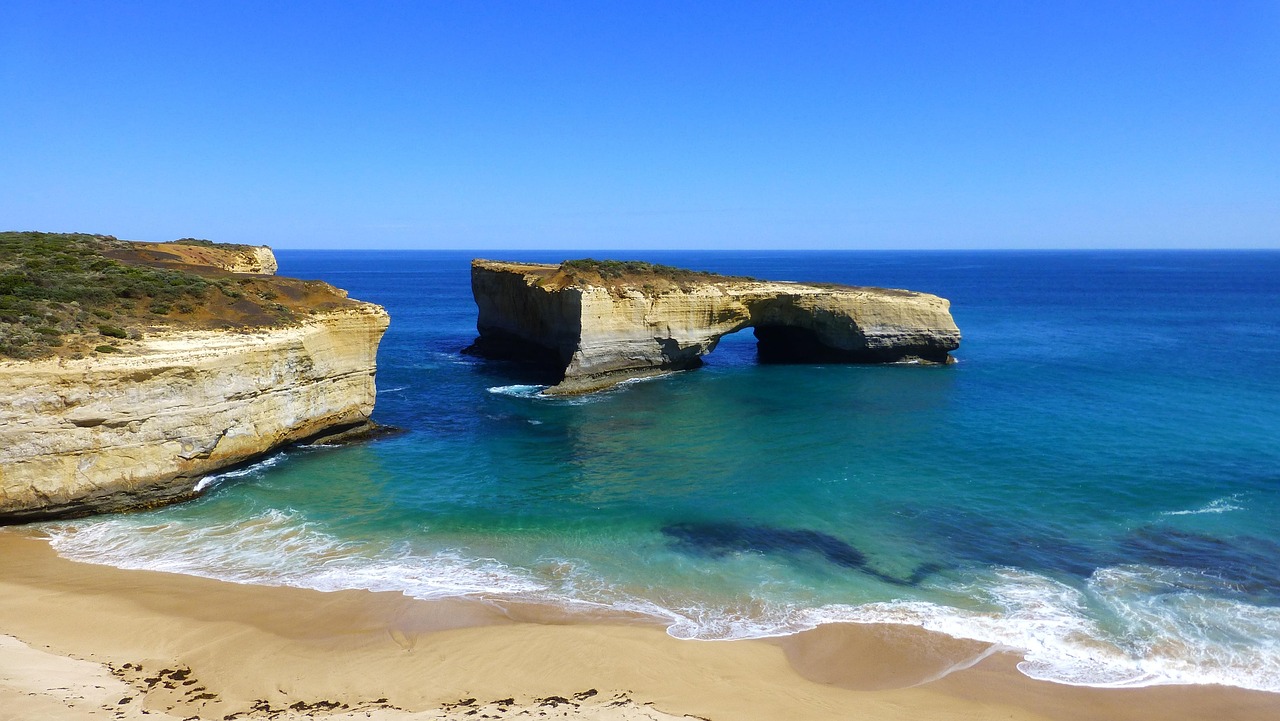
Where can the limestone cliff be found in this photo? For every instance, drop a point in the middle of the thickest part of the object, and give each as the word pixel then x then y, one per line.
pixel 130 370
pixel 141 427
pixel 603 323
pixel 256 259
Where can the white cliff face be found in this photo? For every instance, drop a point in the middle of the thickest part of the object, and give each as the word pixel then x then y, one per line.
pixel 257 259
pixel 633 331
pixel 602 335
pixel 141 427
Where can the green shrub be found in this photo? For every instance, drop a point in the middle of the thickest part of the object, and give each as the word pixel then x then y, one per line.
pixel 621 268
pixel 107 349
pixel 207 243
pixel 59 269
pixel 112 331
pixel 52 284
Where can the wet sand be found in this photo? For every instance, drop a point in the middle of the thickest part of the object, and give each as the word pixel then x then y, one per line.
pixel 83 641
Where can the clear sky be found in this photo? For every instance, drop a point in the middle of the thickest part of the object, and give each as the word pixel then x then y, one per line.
pixel 613 124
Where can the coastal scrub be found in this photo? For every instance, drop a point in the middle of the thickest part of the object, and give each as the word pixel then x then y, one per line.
pixel 67 293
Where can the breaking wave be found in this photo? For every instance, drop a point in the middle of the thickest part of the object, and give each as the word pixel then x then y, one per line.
pixel 1156 631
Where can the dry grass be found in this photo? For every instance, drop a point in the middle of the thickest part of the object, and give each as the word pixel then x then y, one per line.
pixel 72 294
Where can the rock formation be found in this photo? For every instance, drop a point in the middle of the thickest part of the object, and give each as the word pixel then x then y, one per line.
pixel 257 259
pixel 141 426
pixel 600 323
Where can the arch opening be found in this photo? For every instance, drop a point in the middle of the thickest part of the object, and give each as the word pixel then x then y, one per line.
pixel 734 349
pixel 782 344
pixel 789 344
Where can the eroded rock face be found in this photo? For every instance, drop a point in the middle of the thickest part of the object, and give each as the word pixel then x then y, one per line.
pixel 257 259
pixel 602 331
pixel 141 427
pixel 254 259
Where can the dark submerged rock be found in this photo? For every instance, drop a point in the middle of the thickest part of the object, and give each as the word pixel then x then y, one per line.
pixel 718 539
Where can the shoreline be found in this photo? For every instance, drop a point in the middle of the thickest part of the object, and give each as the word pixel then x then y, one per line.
pixel 83 633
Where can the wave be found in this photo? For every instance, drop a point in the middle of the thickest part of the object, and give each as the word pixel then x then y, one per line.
pixel 213 480
pixel 1220 505
pixel 1162 639
pixel 536 391
pixel 1129 626
pixel 518 391
pixel 452 358
pixel 282 548
pixel 644 379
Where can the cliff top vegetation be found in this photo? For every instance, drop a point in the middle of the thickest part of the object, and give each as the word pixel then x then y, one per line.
pixel 210 244
pixel 71 294
pixel 615 269
pixel 617 275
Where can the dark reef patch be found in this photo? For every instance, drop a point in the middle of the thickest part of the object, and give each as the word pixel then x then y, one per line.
pixel 718 539
pixel 1241 566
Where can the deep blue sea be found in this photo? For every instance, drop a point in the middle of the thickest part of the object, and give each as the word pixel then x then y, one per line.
pixel 1096 481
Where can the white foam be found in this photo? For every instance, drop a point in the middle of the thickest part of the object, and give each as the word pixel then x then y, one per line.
pixel 518 391
pixel 536 393
pixel 280 548
pixel 645 379
pixel 1128 626
pixel 1220 505
pixel 215 479
pixel 1184 639
pixel 1163 638
pixel 457 359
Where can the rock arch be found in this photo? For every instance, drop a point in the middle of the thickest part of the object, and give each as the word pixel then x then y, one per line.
pixel 598 329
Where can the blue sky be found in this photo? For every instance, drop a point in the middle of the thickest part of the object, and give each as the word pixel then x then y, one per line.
pixel 608 125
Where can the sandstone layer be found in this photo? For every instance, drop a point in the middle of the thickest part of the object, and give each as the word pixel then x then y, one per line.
pixel 256 259
pixel 599 326
pixel 141 427
pixel 255 363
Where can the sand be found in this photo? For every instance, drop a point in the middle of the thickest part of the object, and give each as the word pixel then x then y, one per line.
pixel 79 641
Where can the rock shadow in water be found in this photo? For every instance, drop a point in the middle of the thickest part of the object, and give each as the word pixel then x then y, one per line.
pixel 1242 566
pixel 974 539
pixel 716 540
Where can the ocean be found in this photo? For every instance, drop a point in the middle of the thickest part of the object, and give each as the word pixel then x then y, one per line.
pixel 1096 482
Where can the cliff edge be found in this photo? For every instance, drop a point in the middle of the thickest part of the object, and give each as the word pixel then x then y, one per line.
pixel 140 391
pixel 602 322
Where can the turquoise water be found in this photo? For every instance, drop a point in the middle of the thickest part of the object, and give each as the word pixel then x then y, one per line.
pixel 1096 482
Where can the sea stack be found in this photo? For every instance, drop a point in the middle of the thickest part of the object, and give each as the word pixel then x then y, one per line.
pixel 598 323
pixel 147 389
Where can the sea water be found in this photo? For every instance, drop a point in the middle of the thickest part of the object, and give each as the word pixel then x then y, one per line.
pixel 1096 481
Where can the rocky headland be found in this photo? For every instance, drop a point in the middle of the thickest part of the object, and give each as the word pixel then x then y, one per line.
pixel 191 359
pixel 598 323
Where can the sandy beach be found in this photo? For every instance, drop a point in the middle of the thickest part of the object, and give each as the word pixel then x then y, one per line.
pixel 79 641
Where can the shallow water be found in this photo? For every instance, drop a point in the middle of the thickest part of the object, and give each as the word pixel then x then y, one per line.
pixel 1095 482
